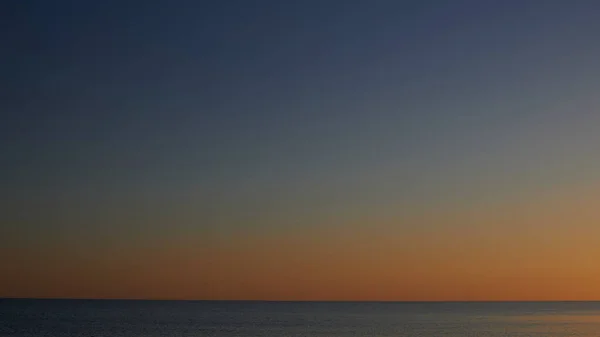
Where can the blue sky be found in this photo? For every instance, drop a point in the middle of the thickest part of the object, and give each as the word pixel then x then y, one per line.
pixel 157 118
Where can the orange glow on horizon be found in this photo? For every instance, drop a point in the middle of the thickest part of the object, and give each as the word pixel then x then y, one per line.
pixel 458 260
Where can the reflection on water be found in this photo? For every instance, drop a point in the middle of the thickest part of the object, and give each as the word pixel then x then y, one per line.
pixel 33 318
pixel 549 324
pixel 571 319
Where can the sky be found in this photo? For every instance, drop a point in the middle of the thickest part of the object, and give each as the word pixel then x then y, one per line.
pixel 300 150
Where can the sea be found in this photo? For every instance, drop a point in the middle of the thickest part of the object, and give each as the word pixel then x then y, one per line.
pixel 117 318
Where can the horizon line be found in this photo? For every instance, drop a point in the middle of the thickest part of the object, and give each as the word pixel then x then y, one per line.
pixel 285 301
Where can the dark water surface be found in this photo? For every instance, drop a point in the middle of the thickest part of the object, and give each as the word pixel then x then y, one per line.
pixel 99 318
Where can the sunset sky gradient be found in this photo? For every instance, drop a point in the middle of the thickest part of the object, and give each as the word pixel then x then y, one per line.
pixel 301 150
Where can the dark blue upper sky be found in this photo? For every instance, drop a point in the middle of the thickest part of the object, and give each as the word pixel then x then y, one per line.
pixel 248 113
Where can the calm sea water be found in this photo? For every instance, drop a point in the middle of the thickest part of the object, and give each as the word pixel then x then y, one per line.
pixel 86 318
